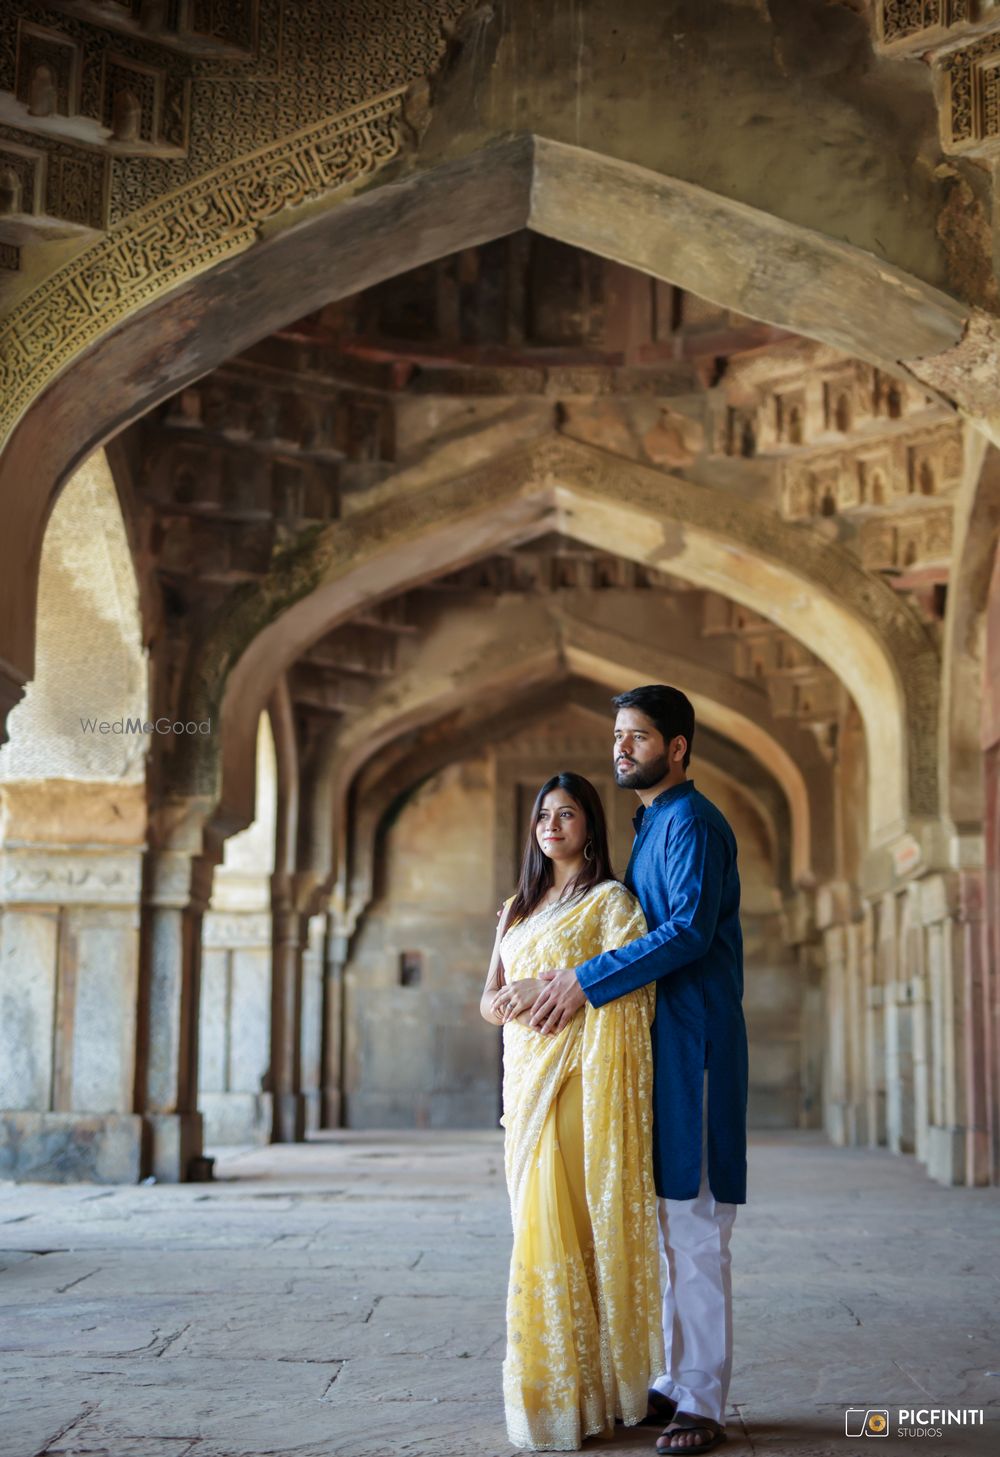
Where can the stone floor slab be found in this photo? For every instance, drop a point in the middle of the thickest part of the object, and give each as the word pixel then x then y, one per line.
pixel 344 1298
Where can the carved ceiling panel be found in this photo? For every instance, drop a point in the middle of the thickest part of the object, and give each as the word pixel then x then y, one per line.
pixel 961 40
pixel 916 24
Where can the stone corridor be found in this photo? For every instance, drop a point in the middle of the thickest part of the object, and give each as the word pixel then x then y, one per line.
pixel 344 1298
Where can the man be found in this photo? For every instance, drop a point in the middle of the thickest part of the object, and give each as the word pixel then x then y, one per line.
pixel 683 871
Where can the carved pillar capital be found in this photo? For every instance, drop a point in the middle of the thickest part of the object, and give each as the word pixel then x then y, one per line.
pixel 179 822
pixel 799 916
pixel 837 904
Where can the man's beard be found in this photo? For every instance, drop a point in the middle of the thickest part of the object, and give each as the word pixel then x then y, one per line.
pixel 631 776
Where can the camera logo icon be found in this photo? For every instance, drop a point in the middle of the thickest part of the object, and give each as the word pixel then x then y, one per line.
pixel 872 1421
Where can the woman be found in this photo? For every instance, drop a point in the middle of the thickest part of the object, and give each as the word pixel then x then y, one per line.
pixel 583 1303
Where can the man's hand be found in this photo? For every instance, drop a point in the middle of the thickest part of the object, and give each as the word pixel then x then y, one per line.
pixel 558 1002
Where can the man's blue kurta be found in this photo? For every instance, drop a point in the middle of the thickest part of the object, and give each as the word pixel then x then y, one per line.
pixel 683 871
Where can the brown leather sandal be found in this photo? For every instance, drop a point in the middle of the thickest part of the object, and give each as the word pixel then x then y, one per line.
pixel 660 1411
pixel 686 1421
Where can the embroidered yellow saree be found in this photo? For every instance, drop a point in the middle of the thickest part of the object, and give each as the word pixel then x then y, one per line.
pixel 583 1305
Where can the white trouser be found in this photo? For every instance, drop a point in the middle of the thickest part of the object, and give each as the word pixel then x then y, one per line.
pixel 696 1274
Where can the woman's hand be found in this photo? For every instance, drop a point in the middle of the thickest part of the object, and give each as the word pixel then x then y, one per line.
pixel 517 998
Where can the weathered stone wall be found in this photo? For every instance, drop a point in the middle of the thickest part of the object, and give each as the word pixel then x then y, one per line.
pixel 90 664
pixel 420 1055
pixel 783 1091
pixel 72 826
pixel 906 1003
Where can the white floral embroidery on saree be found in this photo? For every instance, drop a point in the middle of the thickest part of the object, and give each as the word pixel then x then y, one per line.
pixel 583 1305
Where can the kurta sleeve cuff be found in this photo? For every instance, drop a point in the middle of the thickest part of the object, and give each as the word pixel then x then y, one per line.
pixel 590 976
pixel 693 872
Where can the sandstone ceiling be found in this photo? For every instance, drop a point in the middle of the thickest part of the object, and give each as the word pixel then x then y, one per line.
pixel 448 369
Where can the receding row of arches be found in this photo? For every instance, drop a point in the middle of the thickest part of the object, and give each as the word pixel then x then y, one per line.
pixel 264 890
pixel 349 919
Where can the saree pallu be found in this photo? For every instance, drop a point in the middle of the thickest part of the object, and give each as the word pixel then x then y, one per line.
pixel 584 1334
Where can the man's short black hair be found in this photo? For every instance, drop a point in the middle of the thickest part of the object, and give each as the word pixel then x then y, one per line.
pixel 668 709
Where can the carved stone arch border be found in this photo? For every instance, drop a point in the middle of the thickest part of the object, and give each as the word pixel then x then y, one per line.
pixel 218 216
pixel 207 271
pixel 817 591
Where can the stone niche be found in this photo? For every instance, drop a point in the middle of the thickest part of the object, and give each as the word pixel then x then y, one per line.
pixel 418 1052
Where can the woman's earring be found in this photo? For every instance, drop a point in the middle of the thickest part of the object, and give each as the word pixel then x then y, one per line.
pixel 588 851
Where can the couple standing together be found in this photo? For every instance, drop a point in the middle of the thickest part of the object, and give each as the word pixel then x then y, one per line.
pixel 625 1152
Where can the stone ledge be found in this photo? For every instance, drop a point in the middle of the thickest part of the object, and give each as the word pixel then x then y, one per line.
pixel 62 1148
pixel 78 875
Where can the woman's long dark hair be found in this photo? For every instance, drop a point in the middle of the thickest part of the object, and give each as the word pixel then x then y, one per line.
pixel 536 867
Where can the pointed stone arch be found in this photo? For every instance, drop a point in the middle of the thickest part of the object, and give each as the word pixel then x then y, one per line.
pixel 162 332
pixel 390 776
pixel 508 657
pixel 817 591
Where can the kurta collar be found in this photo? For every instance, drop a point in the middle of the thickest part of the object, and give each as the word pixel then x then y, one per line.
pixel 676 791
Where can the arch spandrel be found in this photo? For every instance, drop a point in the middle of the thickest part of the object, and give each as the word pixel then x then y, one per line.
pixel 818 592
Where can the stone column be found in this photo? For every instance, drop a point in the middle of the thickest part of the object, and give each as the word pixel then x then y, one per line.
pixel 286 1015
pixel 914 978
pixel 900 987
pixel 177 890
pixel 978 1026
pixel 855 1023
pixel 312 1019
pixel 334 1025
pixel 813 1056
pixel 900 1130
pixel 958 1149
pixel 834 907
pixel 799 917
pixel 884 968
pixel 873 1122
pixel 835 1068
